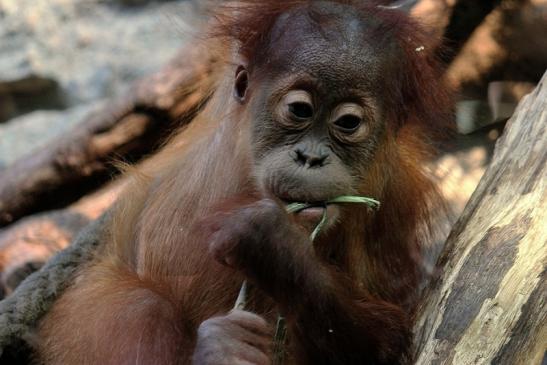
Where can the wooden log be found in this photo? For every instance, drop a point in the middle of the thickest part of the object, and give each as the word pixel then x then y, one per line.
pixel 489 303
pixel 28 244
pixel 125 129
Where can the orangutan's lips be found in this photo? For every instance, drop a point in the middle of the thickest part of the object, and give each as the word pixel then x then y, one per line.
pixel 311 216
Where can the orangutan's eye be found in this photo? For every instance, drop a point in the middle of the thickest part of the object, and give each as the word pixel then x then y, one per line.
pixel 299 105
pixel 348 123
pixel 348 117
pixel 301 110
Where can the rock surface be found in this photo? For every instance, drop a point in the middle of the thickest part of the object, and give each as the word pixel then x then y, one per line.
pixel 92 49
pixel 65 55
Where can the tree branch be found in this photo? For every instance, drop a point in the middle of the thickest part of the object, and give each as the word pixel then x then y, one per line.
pixel 125 129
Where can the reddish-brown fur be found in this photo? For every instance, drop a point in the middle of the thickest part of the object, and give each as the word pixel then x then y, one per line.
pixel 141 300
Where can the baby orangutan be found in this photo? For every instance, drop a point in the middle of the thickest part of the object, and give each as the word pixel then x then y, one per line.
pixel 325 98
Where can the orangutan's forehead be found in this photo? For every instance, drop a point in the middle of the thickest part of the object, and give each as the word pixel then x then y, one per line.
pixel 330 42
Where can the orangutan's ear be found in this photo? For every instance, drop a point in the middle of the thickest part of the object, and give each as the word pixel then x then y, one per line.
pixel 241 84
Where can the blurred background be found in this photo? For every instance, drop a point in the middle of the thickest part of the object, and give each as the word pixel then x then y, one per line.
pixel 87 82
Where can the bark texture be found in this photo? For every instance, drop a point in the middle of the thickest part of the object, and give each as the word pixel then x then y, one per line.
pixel 488 305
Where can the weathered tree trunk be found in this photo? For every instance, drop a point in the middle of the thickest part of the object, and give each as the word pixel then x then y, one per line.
pixel 489 303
